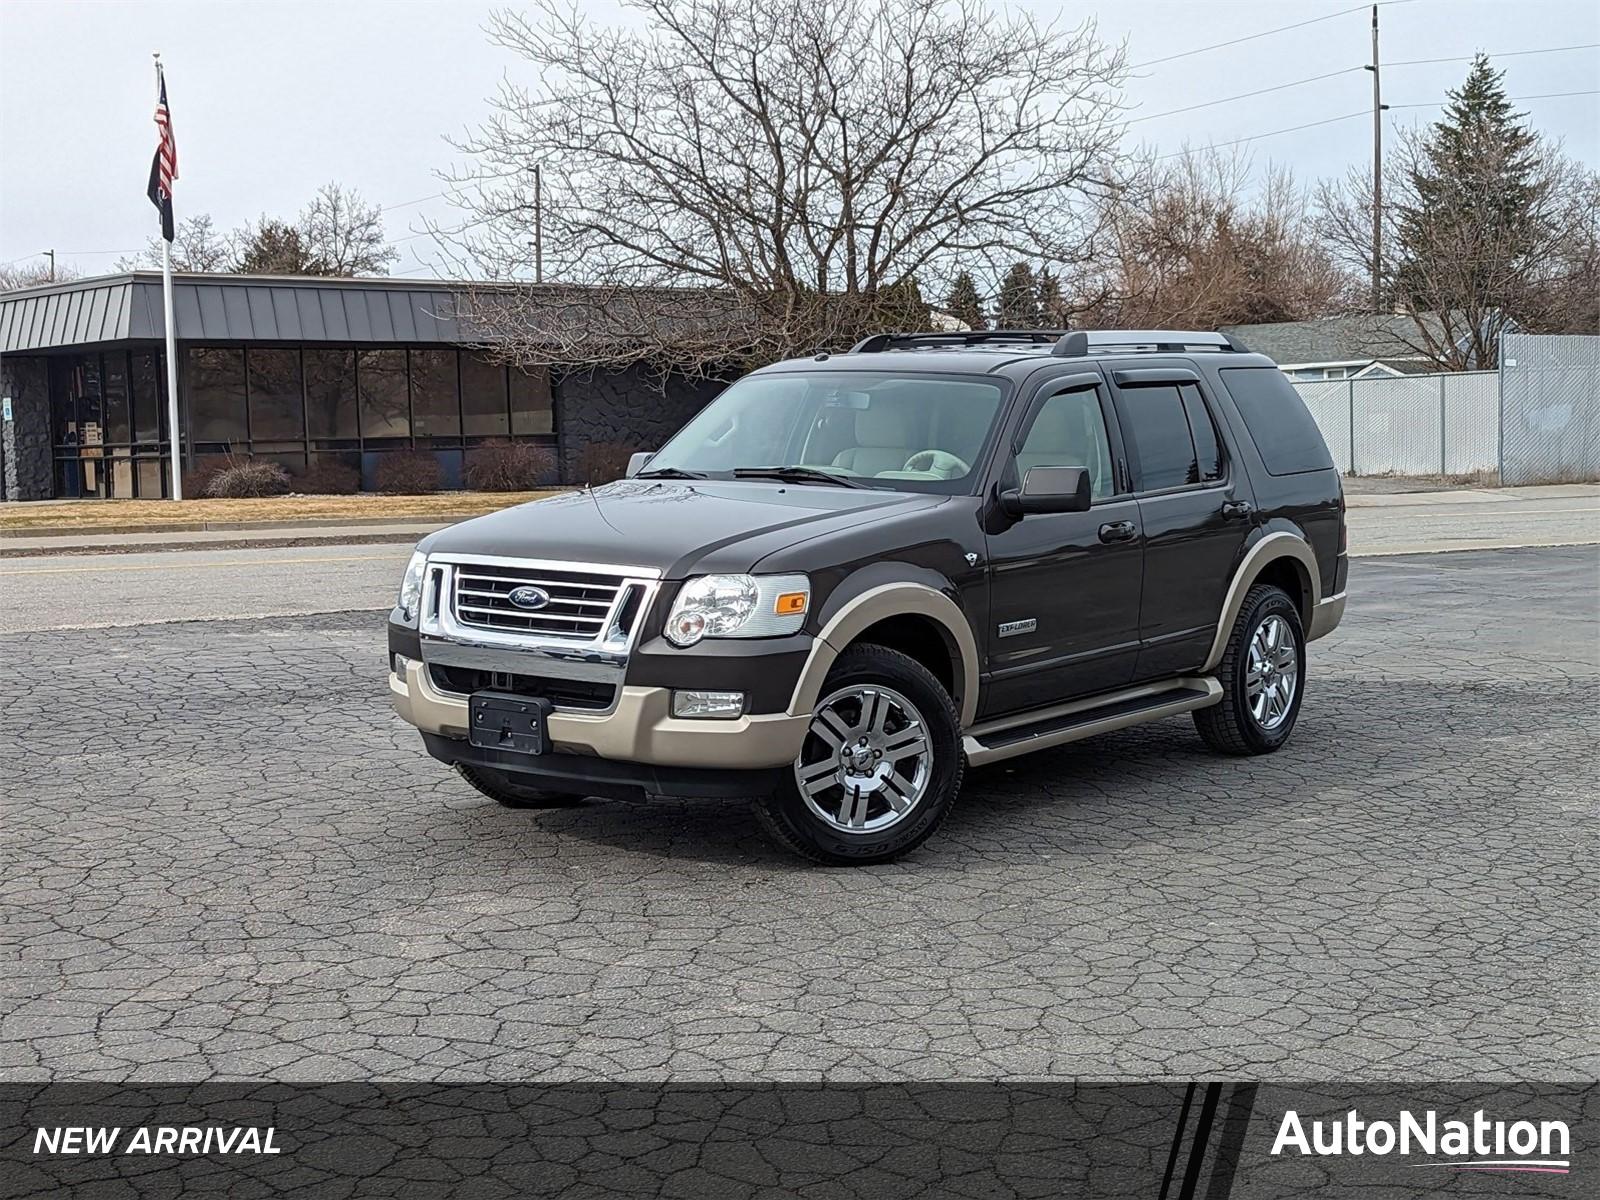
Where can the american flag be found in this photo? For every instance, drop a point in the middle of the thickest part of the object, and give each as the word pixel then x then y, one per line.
pixel 164 166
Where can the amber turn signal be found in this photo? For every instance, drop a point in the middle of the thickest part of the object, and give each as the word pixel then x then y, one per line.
pixel 790 603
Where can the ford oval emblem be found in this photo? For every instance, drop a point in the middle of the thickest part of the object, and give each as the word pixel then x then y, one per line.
pixel 529 597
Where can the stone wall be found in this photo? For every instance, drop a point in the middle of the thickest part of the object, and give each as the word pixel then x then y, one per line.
pixel 604 416
pixel 25 439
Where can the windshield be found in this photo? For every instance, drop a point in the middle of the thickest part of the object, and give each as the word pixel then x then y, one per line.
pixel 921 433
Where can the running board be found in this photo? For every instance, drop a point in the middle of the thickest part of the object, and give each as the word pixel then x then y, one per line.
pixel 1042 728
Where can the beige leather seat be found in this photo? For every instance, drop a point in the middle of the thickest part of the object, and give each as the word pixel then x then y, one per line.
pixel 882 441
pixel 1064 435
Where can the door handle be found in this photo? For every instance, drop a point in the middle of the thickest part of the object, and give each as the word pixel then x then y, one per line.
pixel 1238 510
pixel 1118 531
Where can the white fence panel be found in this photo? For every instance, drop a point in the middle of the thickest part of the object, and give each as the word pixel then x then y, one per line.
pixel 1446 424
pixel 1552 408
pixel 1471 422
pixel 1329 403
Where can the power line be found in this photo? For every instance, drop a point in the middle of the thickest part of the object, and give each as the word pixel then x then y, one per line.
pixel 1364 112
pixel 1414 62
pixel 1171 112
pixel 1264 33
pixel 1244 95
pixel 1270 133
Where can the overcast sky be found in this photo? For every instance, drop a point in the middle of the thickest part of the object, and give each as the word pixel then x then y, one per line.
pixel 270 98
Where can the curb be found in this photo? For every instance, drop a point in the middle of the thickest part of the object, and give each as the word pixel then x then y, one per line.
pixel 396 538
pixel 444 518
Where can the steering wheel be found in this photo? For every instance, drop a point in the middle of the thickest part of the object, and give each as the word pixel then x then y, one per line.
pixel 937 462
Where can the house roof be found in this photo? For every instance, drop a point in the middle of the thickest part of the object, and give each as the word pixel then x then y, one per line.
pixel 1360 337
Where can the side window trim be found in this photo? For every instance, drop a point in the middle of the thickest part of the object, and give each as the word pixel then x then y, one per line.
pixel 1178 378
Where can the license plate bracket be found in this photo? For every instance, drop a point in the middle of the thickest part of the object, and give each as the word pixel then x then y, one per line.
pixel 502 721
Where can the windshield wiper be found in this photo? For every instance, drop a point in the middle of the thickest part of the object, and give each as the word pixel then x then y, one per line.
pixel 798 475
pixel 670 473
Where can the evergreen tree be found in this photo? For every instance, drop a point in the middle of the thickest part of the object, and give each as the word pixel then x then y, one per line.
pixel 1474 194
pixel 1052 305
pixel 1019 302
pixel 964 304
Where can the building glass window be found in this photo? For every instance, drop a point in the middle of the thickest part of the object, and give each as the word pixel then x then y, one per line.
pixel 276 414
pixel 214 385
pixel 531 409
pixel 148 398
pixel 331 394
pixel 435 399
pixel 385 407
pixel 119 429
pixel 484 411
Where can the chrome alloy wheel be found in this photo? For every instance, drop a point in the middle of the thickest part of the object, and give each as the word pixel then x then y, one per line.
pixel 867 759
pixel 1273 673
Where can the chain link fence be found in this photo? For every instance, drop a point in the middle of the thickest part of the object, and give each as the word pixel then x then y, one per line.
pixel 1550 389
pixel 1445 424
pixel 1536 420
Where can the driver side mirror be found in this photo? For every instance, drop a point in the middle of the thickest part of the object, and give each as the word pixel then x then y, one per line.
pixel 1049 490
pixel 638 462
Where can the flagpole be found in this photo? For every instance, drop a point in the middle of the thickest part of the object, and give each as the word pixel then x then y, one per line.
pixel 172 369
pixel 174 434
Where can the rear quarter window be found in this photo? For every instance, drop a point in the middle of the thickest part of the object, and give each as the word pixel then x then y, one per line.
pixel 1279 423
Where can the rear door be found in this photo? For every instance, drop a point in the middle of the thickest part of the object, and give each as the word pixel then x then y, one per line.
pixel 1064 587
pixel 1195 508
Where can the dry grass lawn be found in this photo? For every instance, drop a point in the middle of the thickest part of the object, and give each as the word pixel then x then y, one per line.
pixel 88 515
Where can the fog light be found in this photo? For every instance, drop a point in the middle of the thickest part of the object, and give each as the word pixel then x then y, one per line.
pixel 400 663
pixel 708 705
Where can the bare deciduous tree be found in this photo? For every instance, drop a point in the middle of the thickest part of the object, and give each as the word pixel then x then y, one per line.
pixel 804 161
pixel 1187 244
pixel 196 246
pixel 32 274
pixel 343 234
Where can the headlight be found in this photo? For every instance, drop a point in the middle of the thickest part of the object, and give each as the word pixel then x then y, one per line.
pixel 738 606
pixel 411 588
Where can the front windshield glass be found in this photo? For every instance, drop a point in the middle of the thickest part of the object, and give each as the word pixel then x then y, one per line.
pixel 916 432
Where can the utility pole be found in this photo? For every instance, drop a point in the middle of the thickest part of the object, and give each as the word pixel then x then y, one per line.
pixel 1378 108
pixel 538 224
pixel 52 255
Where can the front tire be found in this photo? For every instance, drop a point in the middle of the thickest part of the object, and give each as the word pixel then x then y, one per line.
pixel 880 768
pixel 1262 673
pixel 500 788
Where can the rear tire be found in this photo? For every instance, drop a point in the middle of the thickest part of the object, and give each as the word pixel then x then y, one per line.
pixel 500 788
pixel 881 766
pixel 1262 673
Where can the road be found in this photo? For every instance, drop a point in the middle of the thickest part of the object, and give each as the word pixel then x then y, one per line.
pixel 223 857
pixel 92 590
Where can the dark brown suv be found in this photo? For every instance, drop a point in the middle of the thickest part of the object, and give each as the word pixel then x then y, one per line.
pixel 850 577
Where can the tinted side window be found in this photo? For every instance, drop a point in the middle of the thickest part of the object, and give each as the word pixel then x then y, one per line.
pixel 1279 423
pixel 1207 450
pixel 1157 432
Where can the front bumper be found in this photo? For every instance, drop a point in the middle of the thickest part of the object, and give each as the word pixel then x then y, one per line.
pixel 640 728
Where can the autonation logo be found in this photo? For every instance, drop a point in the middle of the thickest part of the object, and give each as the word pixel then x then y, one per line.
pixel 1542 1148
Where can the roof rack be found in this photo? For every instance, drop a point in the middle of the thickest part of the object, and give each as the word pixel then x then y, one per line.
pixel 879 342
pixel 1163 341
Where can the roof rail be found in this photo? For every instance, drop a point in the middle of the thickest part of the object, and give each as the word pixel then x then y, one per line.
pixel 879 342
pixel 1164 341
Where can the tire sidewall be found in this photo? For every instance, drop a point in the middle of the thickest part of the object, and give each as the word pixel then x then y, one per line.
pixel 820 840
pixel 1274 603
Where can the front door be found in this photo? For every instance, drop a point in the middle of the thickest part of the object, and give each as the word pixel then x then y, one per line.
pixel 1064 587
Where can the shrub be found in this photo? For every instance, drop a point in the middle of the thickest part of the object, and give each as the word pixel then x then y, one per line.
pixel 328 477
pixel 601 462
pixel 407 473
pixel 201 471
pixel 244 479
pixel 508 466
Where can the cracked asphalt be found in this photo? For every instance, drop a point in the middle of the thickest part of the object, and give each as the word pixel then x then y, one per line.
pixel 224 858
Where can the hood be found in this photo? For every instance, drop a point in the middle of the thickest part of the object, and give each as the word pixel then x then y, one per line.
pixel 677 527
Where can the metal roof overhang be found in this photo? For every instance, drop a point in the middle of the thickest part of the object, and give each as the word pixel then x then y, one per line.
pixel 223 308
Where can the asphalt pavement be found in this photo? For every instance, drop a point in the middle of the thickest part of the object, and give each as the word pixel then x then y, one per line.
pixel 225 858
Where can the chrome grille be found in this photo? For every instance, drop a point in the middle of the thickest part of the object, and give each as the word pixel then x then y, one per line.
pixel 580 606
